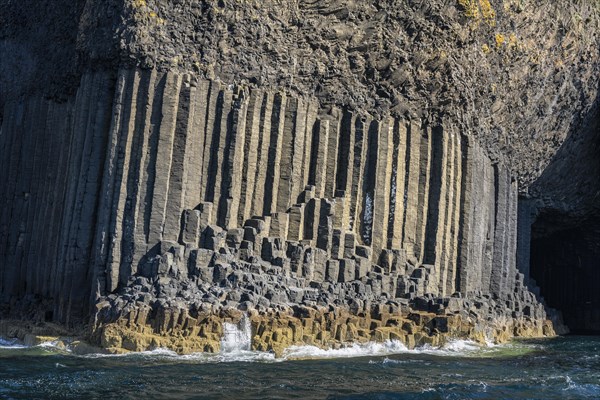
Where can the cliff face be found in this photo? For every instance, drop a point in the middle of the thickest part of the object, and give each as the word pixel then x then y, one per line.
pixel 281 157
pixel 518 76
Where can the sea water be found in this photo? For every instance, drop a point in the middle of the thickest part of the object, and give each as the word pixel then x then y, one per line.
pixel 561 368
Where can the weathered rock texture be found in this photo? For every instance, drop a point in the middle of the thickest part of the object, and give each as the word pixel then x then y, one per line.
pixel 289 159
pixel 182 182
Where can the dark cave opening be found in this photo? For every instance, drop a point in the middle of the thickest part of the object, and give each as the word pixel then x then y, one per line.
pixel 565 264
pixel 564 250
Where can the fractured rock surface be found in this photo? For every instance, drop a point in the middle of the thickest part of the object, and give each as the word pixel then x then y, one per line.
pixel 193 185
pixel 193 158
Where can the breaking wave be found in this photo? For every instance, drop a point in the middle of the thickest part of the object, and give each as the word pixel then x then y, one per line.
pixel 236 347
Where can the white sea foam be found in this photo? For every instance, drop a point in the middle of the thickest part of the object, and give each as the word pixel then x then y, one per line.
pixel 581 389
pixel 11 344
pixel 453 348
pixel 456 347
pixel 463 346
pixel 169 355
pixel 236 344
pixel 49 345
pixel 238 337
pixel 236 347
pixel 53 344
pixel 354 350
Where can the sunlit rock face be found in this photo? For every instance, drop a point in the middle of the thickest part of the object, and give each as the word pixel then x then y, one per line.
pixel 178 159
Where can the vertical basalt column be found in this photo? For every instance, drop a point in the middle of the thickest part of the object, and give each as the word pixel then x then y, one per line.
pixel 311 119
pixel 453 240
pixel 129 83
pixel 195 143
pixel 525 218
pixel 35 192
pixel 296 223
pixel 219 157
pixel 279 225
pixel 478 232
pixel 10 143
pixel 346 150
pixel 346 165
pixel 325 226
pixel 297 180
pixel 510 261
pixel 59 121
pixel 488 222
pixel 477 221
pixel 133 242
pixel 361 130
pixel 74 282
pixel 19 233
pixel 435 226
pixel 37 225
pixel 211 134
pixel 150 109
pixel 332 154
pixel 465 271
pixel 272 180
pixel 411 195
pixel 166 139
pixel 234 161
pixel 285 166
pixel 264 142
pixel 179 164
pixel 78 133
pixel 318 167
pixel 446 223
pixel 128 122
pixel 368 189
pixel 502 194
pixel 423 191
pixel 339 203
pixel 397 204
pixel 312 219
pixel 251 155
pixel 14 197
pixel 381 203
pixel 51 248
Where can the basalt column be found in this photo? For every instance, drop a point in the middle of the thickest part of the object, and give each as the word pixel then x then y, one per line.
pixel 53 156
pixel 160 172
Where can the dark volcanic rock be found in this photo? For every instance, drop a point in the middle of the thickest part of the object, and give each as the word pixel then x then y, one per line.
pixel 178 156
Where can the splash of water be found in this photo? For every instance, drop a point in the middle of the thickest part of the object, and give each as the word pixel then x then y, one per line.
pixel 10 344
pixel 236 347
pixel 236 338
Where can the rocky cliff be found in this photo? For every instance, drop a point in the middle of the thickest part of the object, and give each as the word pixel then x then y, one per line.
pixel 337 171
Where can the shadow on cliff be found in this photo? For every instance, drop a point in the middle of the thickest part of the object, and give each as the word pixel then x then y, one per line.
pixel 565 230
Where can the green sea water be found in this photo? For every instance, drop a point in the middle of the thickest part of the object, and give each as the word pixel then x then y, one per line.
pixel 561 368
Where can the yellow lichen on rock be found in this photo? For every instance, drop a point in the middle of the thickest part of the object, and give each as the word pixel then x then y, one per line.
pixel 500 40
pixel 276 331
pixel 512 41
pixel 479 10
pixel 487 12
pixel 471 8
